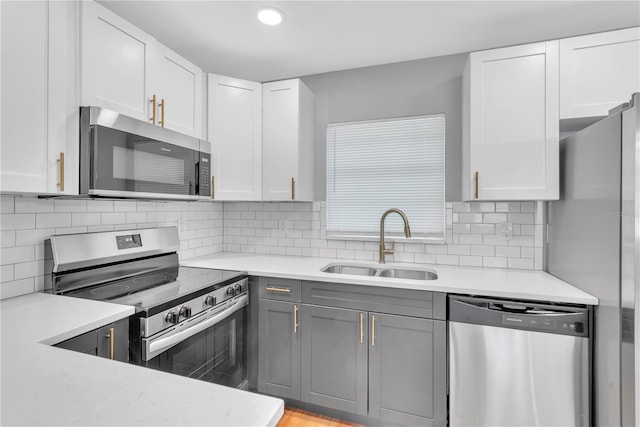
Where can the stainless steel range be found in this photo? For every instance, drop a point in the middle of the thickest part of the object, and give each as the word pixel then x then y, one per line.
pixel 188 321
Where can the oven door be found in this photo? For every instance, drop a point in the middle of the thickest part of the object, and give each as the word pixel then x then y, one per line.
pixel 213 350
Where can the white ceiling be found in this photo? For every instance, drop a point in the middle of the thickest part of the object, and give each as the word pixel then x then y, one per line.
pixel 224 37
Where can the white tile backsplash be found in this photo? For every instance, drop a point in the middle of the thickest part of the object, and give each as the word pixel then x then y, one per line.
pixel 472 235
pixel 277 228
pixel 25 222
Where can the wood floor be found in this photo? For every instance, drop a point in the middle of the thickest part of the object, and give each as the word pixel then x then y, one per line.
pixel 298 418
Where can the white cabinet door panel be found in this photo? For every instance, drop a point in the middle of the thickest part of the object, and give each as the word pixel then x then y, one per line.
pixel 115 61
pixel 179 83
pixel 598 72
pixel 235 129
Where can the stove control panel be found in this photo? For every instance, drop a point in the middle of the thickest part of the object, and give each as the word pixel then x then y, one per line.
pixel 129 241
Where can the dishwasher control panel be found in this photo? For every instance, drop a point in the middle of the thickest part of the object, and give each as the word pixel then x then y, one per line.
pixel 544 323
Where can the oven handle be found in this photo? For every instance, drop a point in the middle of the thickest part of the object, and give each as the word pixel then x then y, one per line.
pixel 159 345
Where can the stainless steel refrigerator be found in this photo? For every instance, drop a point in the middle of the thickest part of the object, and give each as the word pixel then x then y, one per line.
pixel 594 244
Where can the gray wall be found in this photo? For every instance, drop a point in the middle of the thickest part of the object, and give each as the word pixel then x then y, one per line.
pixel 410 88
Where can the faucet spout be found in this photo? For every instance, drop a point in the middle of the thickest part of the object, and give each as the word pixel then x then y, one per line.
pixel 407 232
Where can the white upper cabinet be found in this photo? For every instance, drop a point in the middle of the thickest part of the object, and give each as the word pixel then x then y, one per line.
pixel 39 111
pixel 126 70
pixel 287 135
pixel 598 72
pixel 116 57
pixel 510 124
pixel 235 130
pixel 177 84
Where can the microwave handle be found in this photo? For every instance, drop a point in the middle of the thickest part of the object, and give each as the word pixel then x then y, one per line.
pixel 157 346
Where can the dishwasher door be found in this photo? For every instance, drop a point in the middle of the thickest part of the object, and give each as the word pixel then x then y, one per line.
pixel 518 364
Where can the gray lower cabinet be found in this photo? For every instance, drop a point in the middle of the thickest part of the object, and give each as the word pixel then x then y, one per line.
pixel 279 348
pixel 407 372
pixel 334 358
pixel 110 341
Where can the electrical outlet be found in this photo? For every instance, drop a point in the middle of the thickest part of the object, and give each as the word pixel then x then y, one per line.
pixel 505 229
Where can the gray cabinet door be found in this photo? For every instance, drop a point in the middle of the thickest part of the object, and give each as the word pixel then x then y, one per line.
pixel 334 358
pixel 110 341
pixel 279 349
pixel 407 370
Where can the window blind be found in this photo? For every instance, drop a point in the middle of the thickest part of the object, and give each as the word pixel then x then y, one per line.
pixel 376 165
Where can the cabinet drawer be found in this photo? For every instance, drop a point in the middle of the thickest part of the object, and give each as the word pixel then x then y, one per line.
pixel 279 289
pixel 405 302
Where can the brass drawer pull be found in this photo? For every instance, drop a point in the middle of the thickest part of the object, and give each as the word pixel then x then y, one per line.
pixel 477 177
pixel 295 319
pixel 112 339
pixel 373 330
pixel 162 105
pixel 61 171
pixel 293 188
pixel 213 187
pixel 154 106
pixel 361 329
pixel 279 290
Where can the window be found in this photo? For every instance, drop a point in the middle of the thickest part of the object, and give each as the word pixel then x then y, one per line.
pixel 376 165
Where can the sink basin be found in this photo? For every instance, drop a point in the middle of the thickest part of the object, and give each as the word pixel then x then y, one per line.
pixel 402 273
pixel 361 270
pixel 392 272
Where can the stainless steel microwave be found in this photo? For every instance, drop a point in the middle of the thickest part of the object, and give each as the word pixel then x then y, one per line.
pixel 123 157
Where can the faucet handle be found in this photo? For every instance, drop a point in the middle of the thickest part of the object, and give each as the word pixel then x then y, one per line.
pixel 391 249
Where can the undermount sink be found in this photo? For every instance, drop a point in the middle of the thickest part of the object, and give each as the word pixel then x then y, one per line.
pixel 360 270
pixel 401 273
pixel 375 271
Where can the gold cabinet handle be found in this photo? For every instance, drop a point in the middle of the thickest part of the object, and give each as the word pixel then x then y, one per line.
pixel 153 109
pixel 361 329
pixel 295 319
pixel 61 171
pixel 213 187
pixel 293 188
pixel 112 339
pixel 373 330
pixel 161 105
pixel 280 290
pixel 476 193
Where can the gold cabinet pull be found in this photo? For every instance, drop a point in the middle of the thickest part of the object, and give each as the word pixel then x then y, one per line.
pixel 153 109
pixel 61 171
pixel 112 339
pixel 213 187
pixel 476 193
pixel 361 329
pixel 373 330
pixel 295 319
pixel 293 188
pixel 280 290
pixel 161 105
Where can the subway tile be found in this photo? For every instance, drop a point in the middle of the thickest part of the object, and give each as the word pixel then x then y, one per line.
pixel 113 218
pixel 470 261
pixel 53 220
pixel 481 250
pixel 16 255
pixel 286 206
pixel 425 258
pixel 483 207
pixel 28 269
pixel 17 287
pixel 502 207
pixel 461 228
pixel 7 238
pixel 312 252
pixel 289 251
pixel 136 217
pixel 85 219
pixel 494 262
pixel 521 241
pixel 470 218
pixel 345 253
pixel 494 240
pixel 521 218
pixel 71 230
pixel 436 249
pixel 6 273
pixel 285 242
pixel 494 218
pixel 447 259
pixel 61 205
pixel 99 206
pixel 508 251
pixel 527 207
pixel 482 229
pixel 33 237
pixel 7 204
pixel 461 207
pixel 152 206
pixel 302 243
pixel 527 252
pixel 99 228
pixel 336 244
pixel 17 221
pixel 404 257
pixel 521 263
pixel 459 250
pixel 364 255
pixel 326 253
pixel 470 239
pixel 32 205
pixel 130 206
pixel 514 206
pixel 303 206
pixel 277 250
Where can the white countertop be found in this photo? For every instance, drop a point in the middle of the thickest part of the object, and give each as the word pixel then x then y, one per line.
pixel 45 385
pixel 516 284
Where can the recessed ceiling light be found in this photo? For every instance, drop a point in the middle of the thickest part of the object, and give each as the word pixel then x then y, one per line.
pixel 270 16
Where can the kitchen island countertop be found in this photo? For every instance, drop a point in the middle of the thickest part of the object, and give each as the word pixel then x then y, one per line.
pixel 45 385
pixel 492 282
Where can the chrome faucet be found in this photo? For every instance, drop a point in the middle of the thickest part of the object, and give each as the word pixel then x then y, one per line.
pixel 407 232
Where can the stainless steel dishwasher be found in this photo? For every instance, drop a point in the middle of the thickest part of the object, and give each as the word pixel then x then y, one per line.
pixel 515 363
